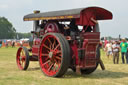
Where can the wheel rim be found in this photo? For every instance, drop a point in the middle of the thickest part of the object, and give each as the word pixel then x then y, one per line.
pixel 50 55
pixel 21 58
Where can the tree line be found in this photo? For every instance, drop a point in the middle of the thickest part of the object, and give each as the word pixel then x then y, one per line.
pixel 7 31
pixel 23 35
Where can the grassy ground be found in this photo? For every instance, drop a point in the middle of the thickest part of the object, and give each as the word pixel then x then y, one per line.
pixel 11 75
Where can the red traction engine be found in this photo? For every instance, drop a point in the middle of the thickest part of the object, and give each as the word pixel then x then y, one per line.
pixel 64 39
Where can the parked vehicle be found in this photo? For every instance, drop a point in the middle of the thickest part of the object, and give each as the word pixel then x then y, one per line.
pixel 59 46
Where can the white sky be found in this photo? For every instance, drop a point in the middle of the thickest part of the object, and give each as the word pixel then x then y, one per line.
pixel 14 10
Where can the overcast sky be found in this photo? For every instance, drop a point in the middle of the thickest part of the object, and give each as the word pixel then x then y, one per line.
pixel 14 10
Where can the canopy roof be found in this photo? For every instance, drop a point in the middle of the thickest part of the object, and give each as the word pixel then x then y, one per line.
pixel 99 13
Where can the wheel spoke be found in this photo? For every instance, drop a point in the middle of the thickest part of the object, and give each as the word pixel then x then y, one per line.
pixel 48 50
pixel 47 58
pixel 23 57
pixel 58 52
pixel 46 46
pixel 22 52
pixel 49 41
pixel 58 64
pixel 50 67
pixel 59 58
pixel 50 46
pixel 53 45
pixel 56 47
pixel 22 62
pixel 44 55
pixel 46 62
pixel 54 67
pixel 55 61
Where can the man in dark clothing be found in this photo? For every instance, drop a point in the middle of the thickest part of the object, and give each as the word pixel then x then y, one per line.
pixel 73 29
pixel 13 44
pixel 87 28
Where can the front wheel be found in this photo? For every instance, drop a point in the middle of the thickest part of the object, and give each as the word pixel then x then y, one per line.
pixel 54 55
pixel 22 58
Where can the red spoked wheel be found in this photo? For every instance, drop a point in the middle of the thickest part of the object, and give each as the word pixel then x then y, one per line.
pixel 54 55
pixel 22 58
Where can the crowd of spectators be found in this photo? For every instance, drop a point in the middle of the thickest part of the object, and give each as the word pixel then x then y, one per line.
pixel 113 49
pixel 13 43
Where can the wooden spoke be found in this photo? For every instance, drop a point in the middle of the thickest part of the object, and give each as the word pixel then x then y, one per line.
pixel 22 62
pixel 22 52
pixel 53 45
pixel 47 58
pixel 45 55
pixel 46 62
pixel 58 52
pixel 50 41
pixel 50 67
pixel 23 57
pixel 55 61
pixel 59 58
pixel 46 46
pixel 54 67
pixel 56 47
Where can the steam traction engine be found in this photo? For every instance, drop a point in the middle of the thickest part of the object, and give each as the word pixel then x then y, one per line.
pixel 58 43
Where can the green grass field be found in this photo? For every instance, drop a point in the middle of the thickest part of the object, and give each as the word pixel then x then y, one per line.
pixel 115 74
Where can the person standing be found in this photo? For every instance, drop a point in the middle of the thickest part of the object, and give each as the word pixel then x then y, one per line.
pixel 105 43
pixel 6 44
pixel 116 48
pixel 13 44
pixel 21 43
pixel 124 46
pixel 109 49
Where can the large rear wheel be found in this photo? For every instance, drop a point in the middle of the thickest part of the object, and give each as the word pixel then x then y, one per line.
pixel 54 55
pixel 22 58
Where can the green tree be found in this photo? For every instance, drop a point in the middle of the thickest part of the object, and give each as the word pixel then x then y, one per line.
pixel 7 31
